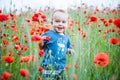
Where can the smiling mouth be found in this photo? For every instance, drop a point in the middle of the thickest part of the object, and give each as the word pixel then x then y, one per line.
pixel 60 27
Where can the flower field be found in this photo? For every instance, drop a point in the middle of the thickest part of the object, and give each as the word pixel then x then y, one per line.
pixel 94 35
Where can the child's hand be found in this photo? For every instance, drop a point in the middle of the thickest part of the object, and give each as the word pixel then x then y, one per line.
pixel 47 38
pixel 70 51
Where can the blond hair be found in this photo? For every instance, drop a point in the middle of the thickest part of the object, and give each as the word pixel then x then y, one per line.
pixel 59 10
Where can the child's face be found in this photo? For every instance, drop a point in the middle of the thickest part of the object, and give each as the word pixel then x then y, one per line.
pixel 60 22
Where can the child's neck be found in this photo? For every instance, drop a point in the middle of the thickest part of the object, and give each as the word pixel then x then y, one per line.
pixel 61 33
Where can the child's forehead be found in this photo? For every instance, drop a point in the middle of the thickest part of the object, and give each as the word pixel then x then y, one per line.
pixel 60 15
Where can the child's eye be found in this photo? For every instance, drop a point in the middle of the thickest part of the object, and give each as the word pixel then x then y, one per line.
pixel 57 21
pixel 64 21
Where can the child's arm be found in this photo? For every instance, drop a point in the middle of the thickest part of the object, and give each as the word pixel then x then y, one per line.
pixel 44 39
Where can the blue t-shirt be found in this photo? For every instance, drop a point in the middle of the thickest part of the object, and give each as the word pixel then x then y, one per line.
pixel 55 50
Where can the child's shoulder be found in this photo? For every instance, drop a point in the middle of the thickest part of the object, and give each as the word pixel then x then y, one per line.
pixel 49 32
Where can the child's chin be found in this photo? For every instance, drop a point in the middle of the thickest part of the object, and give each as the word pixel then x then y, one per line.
pixel 59 32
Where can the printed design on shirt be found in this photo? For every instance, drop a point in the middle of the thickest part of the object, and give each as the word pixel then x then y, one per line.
pixel 61 45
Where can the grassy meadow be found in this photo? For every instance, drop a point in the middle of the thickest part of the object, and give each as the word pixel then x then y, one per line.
pixel 91 31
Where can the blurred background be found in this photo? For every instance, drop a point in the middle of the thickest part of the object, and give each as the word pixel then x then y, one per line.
pixel 23 5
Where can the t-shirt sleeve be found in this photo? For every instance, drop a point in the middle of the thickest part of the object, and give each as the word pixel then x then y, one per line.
pixel 69 44
pixel 45 41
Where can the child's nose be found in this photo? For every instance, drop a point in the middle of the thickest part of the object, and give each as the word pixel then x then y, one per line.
pixel 60 23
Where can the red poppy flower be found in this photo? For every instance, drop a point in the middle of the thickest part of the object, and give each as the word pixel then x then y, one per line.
pixel 73 45
pixel 68 66
pixel 35 17
pixel 102 19
pixel 26 59
pixel 38 17
pixel 28 21
pixel 23 47
pixel 41 53
pixel 36 38
pixel 114 40
pixel 71 23
pixel 43 16
pixel 110 20
pixel 32 31
pixel 83 35
pixel 76 64
pixel 19 53
pixel 17 43
pixel 0 29
pixel 11 15
pixel 82 32
pixel 44 29
pixel 84 12
pixel 79 29
pixel 3 17
pixel 77 22
pixel 114 11
pixel 25 35
pixel 8 59
pixel 24 73
pixel 118 31
pixel 17 47
pixel 109 30
pixel 106 24
pixel 41 30
pixel 97 10
pixel 117 23
pixel 40 69
pixel 6 75
pixel 92 19
pixel 0 11
pixel 75 77
pixel 5 42
pixel 26 41
pixel 101 59
pixel 14 38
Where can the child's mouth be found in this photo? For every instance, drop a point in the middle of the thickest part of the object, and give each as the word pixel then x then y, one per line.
pixel 60 27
